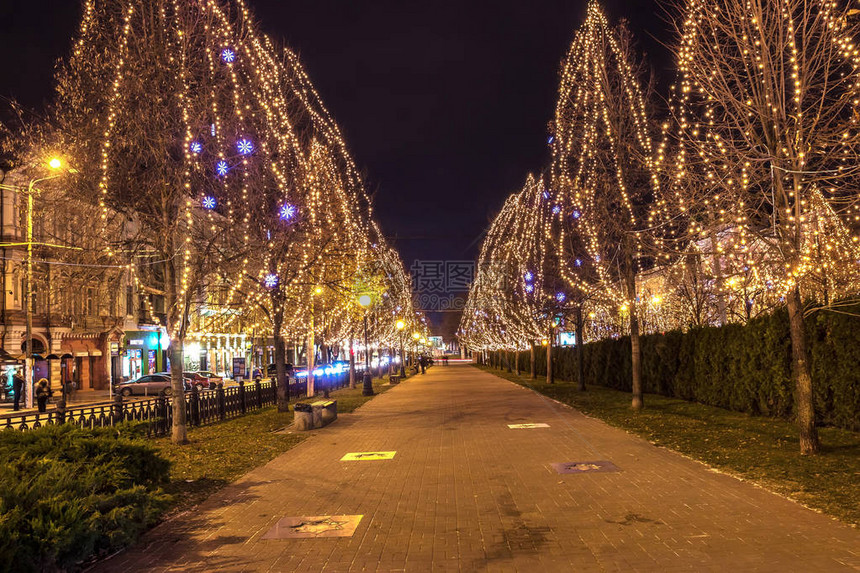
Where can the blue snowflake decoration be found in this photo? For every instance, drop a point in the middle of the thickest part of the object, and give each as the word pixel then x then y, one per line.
pixel 556 210
pixel 228 55
pixel 245 147
pixel 559 296
pixel 221 168
pixel 270 281
pixel 578 262
pixel 287 212
pixel 195 147
pixel 529 276
pixel 530 288
pixel 576 214
pixel 209 202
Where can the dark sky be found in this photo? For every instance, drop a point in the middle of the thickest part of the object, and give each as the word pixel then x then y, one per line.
pixel 444 103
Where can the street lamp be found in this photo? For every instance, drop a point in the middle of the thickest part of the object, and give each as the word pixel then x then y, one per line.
pixel 55 163
pixel 365 300
pixel 400 326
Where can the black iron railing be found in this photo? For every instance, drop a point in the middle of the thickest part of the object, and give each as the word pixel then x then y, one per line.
pixel 204 407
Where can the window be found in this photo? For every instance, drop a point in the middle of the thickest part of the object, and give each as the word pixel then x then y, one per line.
pixel 91 302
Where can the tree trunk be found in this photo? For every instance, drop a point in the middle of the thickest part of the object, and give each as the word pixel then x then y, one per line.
pixel 508 360
pixel 351 363
pixel 580 351
pixel 635 349
pixel 311 359
pixel 175 319
pixel 283 393
pixel 179 428
pixel 533 372
pixel 517 362
pixel 550 373
pixel 802 376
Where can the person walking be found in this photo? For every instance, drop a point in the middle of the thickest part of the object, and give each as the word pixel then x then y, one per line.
pixel 17 389
pixel 43 392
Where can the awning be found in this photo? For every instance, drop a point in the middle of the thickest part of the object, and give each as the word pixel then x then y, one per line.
pixel 79 354
pixel 52 356
pixel 95 352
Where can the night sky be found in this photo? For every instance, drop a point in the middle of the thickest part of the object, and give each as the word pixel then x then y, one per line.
pixel 444 104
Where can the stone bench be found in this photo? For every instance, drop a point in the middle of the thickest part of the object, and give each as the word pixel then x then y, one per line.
pixel 315 415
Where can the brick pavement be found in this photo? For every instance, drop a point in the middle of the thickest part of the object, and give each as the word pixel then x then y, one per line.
pixel 466 493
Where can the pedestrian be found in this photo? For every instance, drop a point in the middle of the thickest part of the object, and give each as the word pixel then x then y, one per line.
pixel 17 388
pixel 445 360
pixel 423 362
pixel 43 392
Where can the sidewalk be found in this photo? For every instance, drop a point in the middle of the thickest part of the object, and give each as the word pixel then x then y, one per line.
pixel 82 398
pixel 465 492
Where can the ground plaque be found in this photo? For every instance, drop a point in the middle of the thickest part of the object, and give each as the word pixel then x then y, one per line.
pixel 585 467
pixel 313 527
pixel 527 426
pixel 367 456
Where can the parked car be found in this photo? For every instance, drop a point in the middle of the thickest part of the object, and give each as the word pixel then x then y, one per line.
pixel 148 385
pixel 201 380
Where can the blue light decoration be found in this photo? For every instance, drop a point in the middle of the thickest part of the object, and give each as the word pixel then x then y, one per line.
pixel 576 214
pixel 245 147
pixel 530 288
pixel 228 55
pixel 559 296
pixel 578 262
pixel 529 276
pixel 221 168
pixel 550 140
pixel 556 210
pixel 209 202
pixel 195 147
pixel 287 212
pixel 212 130
pixel 270 281
pixel 546 194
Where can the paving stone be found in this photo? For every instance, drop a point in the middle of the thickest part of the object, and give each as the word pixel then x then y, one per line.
pixel 466 493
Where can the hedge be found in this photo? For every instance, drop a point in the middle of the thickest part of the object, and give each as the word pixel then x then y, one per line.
pixel 68 494
pixel 742 368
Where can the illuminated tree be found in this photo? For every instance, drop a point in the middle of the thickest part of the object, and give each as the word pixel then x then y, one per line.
pixel 171 112
pixel 602 173
pixel 768 117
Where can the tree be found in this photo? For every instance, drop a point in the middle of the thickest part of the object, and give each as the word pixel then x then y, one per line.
pixel 602 172
pixel 768 115
pixel 169 112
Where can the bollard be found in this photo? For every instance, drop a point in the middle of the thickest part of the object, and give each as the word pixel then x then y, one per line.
pixel 219 398
pixel 195 406
pixel 116 409
pixel 61 412
pixel 242 396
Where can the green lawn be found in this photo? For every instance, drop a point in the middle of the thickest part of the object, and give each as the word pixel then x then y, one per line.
pixel 221 453
pixel 762 450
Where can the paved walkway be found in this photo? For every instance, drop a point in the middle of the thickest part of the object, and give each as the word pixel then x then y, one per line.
pixel 466 493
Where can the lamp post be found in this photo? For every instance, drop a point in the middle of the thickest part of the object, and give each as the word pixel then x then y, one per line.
pixel 55 164
pixel 365 300
pixel 400 326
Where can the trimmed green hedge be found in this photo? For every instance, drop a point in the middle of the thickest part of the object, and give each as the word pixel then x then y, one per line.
pixel 741 368
pixel 67 494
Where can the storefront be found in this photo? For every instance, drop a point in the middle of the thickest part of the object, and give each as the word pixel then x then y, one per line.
pixel 144 352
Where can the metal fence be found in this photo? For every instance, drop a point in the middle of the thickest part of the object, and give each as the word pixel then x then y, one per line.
pixel 201 408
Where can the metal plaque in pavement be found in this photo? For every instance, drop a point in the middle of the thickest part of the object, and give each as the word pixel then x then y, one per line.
pixel 313 527
pixel 586 467
pixel 367 456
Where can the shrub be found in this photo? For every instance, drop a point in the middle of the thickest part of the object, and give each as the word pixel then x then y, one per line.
pixel 67 494
pixel 746 368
